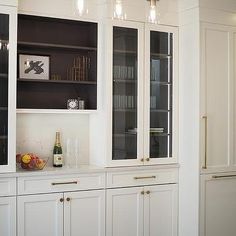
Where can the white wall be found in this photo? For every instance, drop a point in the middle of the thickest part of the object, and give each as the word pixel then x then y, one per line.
pixel 36 133
pixel 189 84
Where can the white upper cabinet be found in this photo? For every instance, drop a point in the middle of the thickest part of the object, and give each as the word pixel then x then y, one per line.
pixel 7 87
pixel 139 118
pixel 218 97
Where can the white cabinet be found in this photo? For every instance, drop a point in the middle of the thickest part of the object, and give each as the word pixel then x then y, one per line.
pixel 59 214
pixel 40 215
pixel 142 211
pixel 139 118
pixel 8 19
pixel 84 213
pixel 218 97
pixel 8 216
pixel 125 212
pixel 142 203
pixel 218 204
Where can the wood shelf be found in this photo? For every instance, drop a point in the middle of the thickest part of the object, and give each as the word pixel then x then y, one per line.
pixel 57 46
pixel 55 111
pixel 3 108
pixel 161 55
pixel 124 81
pixel 134 53
pixel 3 136
pixel 4 76
pixel 58 81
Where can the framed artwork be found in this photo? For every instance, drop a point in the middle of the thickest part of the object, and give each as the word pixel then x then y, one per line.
pixel 33 67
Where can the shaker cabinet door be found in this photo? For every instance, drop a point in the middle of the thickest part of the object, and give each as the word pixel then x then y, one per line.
pixel 124 212
pixel 8 216
pixel 40 215
pixel 84 213
pixel 160 210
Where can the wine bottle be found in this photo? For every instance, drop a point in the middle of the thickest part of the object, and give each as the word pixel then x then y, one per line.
pixel 57 152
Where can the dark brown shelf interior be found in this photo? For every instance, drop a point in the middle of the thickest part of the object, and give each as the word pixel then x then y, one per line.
pixel 63 41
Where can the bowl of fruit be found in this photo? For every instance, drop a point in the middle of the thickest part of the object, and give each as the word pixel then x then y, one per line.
pixel 30 161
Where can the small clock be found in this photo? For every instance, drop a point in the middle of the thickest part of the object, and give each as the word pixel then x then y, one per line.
pixel 72 104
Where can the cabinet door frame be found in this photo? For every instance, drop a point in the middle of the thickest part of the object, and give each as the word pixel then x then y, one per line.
pixel 175 96
pixel 11 202
pixel 81 195
pixel 173 189
pixel 109 207
pixel 12 12
pixel 229 161
pixel 55 197
pixel 140 28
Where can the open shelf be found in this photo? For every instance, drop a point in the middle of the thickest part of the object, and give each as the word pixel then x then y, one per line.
pixel 3 108
pixel 58 81
pixel 3 136
pixel 3 76
pixel 54 111
pixel 71 48
pixel 160 55
pixel 56 46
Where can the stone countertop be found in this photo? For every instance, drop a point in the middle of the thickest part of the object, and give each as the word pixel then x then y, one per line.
pixel 82 169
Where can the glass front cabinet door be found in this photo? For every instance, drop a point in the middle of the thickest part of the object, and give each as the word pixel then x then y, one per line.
pixel 144 118
pixel 7 87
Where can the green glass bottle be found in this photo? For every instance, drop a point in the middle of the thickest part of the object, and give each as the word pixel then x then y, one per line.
pixel 57 152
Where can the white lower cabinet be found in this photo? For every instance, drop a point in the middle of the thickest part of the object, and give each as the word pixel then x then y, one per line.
pixel 7 216
pixel 218 205
pixel 62 214
pixel 142 211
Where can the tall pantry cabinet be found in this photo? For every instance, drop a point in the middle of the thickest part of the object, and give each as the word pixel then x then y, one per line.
pixel 218 179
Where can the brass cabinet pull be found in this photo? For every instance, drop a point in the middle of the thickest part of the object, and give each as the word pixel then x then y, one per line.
pixel 142 192
pixel 205 154
pixel 222 176
pixel 61 199
pixel 67 199
pixel 142 159
pixel 63 183
pixel 147 159
pixel 148 192
pixel 145 177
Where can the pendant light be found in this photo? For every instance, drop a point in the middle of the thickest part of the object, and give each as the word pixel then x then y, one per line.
pixel 153 12
pixel 118 10
pixel 80 7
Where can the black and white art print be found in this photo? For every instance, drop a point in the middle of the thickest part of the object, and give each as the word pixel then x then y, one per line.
pixel 33 67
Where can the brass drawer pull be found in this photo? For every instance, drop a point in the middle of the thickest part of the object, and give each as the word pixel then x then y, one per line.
pixel 63 183
pixel 68 199
pixel 61 199
pixel 145 177
pixel 222 176
pixel 142 192
pixel 142 159
pixel 147 159
pixel 148 192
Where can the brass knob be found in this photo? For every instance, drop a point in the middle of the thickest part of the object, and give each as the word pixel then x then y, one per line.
pixel 142 159
pixel 147 159
pixel 68 199
pixel 61 199
pixel 142 192
pixel 148 192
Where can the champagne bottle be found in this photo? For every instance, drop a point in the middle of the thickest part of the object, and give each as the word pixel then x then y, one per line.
pixel 57 152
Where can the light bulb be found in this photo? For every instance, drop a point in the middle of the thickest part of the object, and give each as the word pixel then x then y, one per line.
pixel 80 7
pixel 153 13
pixel 118 10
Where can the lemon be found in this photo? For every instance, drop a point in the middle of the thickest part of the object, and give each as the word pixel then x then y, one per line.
pixel 26 159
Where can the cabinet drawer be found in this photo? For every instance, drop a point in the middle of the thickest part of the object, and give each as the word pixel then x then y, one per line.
pixel 7 186
pixel 32 185
pixel 140 178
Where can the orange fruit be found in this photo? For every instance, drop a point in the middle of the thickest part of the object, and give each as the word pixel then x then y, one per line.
pixel 26 159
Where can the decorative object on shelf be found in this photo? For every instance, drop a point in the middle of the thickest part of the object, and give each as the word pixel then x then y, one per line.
pixel 72 104
pixel 118 10
pixel 81 104
pixel 55 77
pixel 80 69
pixel 30 161
pixel 153 16
pixel 57 152
pixel 4 44
pixel 33 67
